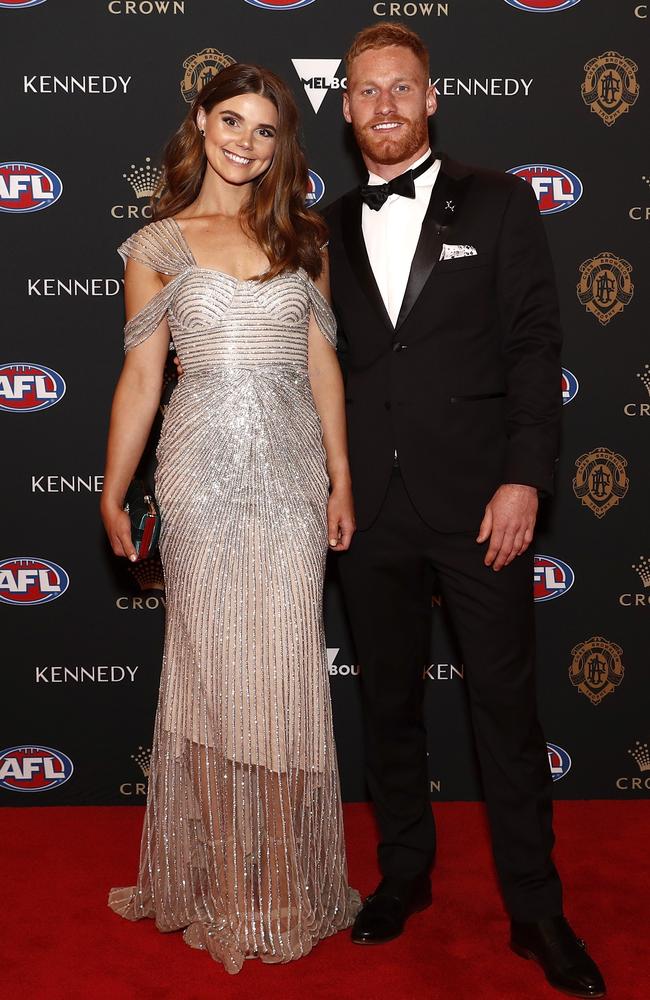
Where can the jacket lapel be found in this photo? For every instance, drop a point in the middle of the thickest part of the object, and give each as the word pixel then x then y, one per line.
pixel 444 208
pixel 358 255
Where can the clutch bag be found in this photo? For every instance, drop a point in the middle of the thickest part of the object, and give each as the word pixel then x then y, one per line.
pixel 141 506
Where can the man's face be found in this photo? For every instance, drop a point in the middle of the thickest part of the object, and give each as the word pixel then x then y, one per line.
pixel 388 103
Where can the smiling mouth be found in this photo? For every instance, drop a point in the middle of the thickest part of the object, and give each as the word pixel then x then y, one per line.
pixel 386 126
pixel 242 161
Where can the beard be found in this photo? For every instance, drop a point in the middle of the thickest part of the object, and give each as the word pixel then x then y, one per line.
pixel 392 147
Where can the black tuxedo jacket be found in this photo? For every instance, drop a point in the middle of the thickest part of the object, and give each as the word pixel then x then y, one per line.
pixel 467 386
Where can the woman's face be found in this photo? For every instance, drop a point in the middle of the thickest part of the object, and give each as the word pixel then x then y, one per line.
pixel 240 137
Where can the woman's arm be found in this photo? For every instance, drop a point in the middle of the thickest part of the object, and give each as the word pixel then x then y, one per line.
pixel 136 400
pixel 327 387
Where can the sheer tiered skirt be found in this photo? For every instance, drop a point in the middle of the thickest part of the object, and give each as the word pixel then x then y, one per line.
pixel 239 865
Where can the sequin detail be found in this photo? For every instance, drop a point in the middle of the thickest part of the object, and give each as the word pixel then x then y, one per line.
pixel 242 845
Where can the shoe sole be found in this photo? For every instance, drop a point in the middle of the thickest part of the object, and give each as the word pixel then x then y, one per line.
pixel 416 909
pixel 526 953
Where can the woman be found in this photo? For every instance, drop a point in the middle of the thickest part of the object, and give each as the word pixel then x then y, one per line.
pixel 242 843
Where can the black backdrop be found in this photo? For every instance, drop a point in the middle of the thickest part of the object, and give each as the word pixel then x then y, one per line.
pixel 92 90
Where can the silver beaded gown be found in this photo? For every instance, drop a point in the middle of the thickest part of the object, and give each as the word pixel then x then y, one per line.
pixel 242 845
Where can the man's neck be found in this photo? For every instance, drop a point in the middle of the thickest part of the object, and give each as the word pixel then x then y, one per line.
pixel 389 170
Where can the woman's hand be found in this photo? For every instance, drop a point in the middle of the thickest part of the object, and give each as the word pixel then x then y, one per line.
pixel 118 528
pixel 340 518
pixel 180 371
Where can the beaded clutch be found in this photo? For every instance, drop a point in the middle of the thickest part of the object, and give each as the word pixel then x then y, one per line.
pixel 141 506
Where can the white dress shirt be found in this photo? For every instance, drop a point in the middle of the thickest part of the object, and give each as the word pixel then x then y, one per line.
pixel 391 235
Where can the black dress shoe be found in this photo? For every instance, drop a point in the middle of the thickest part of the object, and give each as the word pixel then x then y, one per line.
pixel 562 956
pixel 386 911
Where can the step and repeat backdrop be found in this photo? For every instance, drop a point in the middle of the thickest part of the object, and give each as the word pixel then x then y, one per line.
pixel 555 91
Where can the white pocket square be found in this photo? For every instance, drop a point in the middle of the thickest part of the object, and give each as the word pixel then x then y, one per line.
pixel 451 250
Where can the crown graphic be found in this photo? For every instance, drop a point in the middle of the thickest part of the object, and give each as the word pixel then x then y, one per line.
pixel 645 377
pixel 643 569
pixel 144 180
pixel 641 754
pixel 646 179
pixel 143 759
pixel 148 573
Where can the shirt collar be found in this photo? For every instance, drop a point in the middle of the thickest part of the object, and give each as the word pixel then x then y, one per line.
pixel 422 181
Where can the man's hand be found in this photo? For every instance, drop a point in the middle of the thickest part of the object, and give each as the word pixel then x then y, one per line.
pixel 509 523
pixel 180 371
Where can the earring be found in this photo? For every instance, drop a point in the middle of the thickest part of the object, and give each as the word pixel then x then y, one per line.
pixel 202 131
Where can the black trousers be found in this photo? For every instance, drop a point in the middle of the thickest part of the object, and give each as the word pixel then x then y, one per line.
pixel 387 577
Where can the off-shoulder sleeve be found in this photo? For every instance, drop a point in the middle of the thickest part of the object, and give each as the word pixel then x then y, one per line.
pixel 322 313
pixel 160 247
pixel 140 327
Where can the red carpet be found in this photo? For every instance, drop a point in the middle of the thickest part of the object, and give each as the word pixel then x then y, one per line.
pixel 61 942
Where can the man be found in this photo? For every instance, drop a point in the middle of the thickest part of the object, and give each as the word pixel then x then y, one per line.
pixel 444 292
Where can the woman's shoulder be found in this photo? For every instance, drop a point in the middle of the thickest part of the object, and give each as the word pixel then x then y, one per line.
pixel 151 233
pixel 158 245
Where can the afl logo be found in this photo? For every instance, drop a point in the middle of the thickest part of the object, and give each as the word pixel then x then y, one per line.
pixel 25 388
pixel 26 187
pixel 33 768
pixel 552 578
pixel 558 761
pixel 280 4
pixel 20 3
pixel 25 580
pixel 542 6
pixel 570 386
pixel 556 188
pixel 315 189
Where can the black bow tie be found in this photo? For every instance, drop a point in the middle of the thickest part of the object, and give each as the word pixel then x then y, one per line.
pixel 375 195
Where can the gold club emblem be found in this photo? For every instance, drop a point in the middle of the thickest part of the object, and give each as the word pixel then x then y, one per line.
pixel 200 69
pixel 600 481
pixel 610 88
pixel 596 669
pixel 605 286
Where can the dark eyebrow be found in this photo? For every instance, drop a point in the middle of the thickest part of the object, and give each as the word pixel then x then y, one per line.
pixel 233 114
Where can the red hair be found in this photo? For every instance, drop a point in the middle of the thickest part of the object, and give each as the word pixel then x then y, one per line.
pixel 380 36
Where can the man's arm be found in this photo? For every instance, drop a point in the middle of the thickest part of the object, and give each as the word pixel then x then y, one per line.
pixel 532 339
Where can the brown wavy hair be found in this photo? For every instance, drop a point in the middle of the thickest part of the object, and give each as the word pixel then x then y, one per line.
pixel 290 234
